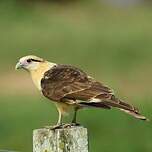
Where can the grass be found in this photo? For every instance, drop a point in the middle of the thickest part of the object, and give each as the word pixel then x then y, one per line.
pixel 112 44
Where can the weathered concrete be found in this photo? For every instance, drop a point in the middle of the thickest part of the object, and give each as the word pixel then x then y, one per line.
pixel 73 139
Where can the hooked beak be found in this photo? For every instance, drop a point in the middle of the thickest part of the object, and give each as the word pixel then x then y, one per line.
pixel 18 66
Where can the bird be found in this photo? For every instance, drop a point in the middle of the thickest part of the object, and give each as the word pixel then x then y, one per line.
pixel 70 88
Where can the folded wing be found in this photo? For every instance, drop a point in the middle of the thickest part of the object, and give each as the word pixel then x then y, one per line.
pixel 68 84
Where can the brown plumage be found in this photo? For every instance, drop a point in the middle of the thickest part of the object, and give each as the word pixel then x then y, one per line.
pixel 71 88
pixel 65 83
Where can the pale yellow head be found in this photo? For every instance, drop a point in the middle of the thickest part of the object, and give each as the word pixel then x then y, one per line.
pixel 29 62
pixel 36 66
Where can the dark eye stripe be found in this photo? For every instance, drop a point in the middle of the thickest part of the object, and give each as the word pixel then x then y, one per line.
pixel 35 60
pixel 29 60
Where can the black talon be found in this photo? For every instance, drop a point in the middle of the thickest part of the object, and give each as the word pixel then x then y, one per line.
pixel 55 127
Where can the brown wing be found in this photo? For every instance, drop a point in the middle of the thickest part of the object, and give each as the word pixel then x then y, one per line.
pixel 67 83
pixel 64 81
pixel 103 99
pixel 96 89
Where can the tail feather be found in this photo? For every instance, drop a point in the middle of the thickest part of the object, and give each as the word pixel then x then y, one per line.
pixel 125 107
pixel 112 101
pixel 94 104
pixel 138 116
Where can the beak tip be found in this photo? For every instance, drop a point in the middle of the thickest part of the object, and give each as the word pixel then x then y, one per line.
pixel 18 66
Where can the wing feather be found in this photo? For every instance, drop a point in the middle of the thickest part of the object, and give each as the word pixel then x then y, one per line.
pixel 68 84
pixel 62 80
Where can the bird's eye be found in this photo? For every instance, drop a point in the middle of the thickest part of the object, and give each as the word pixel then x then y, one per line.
pixel 29 60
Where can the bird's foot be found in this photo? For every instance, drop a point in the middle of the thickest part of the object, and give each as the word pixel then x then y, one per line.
pixel 70 125
pixel 75 124
pixel 62 126
pixel 57 126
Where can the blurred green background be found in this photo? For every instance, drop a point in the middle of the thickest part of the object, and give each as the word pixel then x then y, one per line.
pixel 111 41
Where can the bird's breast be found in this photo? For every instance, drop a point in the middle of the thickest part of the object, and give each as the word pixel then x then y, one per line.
pixel 37 80
pixel 38 74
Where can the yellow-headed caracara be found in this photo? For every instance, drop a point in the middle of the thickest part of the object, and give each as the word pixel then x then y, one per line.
pixel 71 88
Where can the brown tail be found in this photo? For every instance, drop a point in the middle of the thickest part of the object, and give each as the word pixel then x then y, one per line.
pixel 114 102
pixel 131 110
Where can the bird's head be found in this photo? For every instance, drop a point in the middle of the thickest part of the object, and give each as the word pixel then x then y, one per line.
pixel 29 62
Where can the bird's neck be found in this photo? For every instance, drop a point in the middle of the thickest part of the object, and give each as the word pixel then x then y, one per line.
pixel 38 73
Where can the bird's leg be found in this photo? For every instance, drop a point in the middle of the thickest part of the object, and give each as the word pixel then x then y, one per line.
pixel 74 120
pixel 75 115
pixel 58 124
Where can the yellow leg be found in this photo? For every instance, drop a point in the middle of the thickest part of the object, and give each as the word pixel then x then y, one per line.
pixel 59 122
